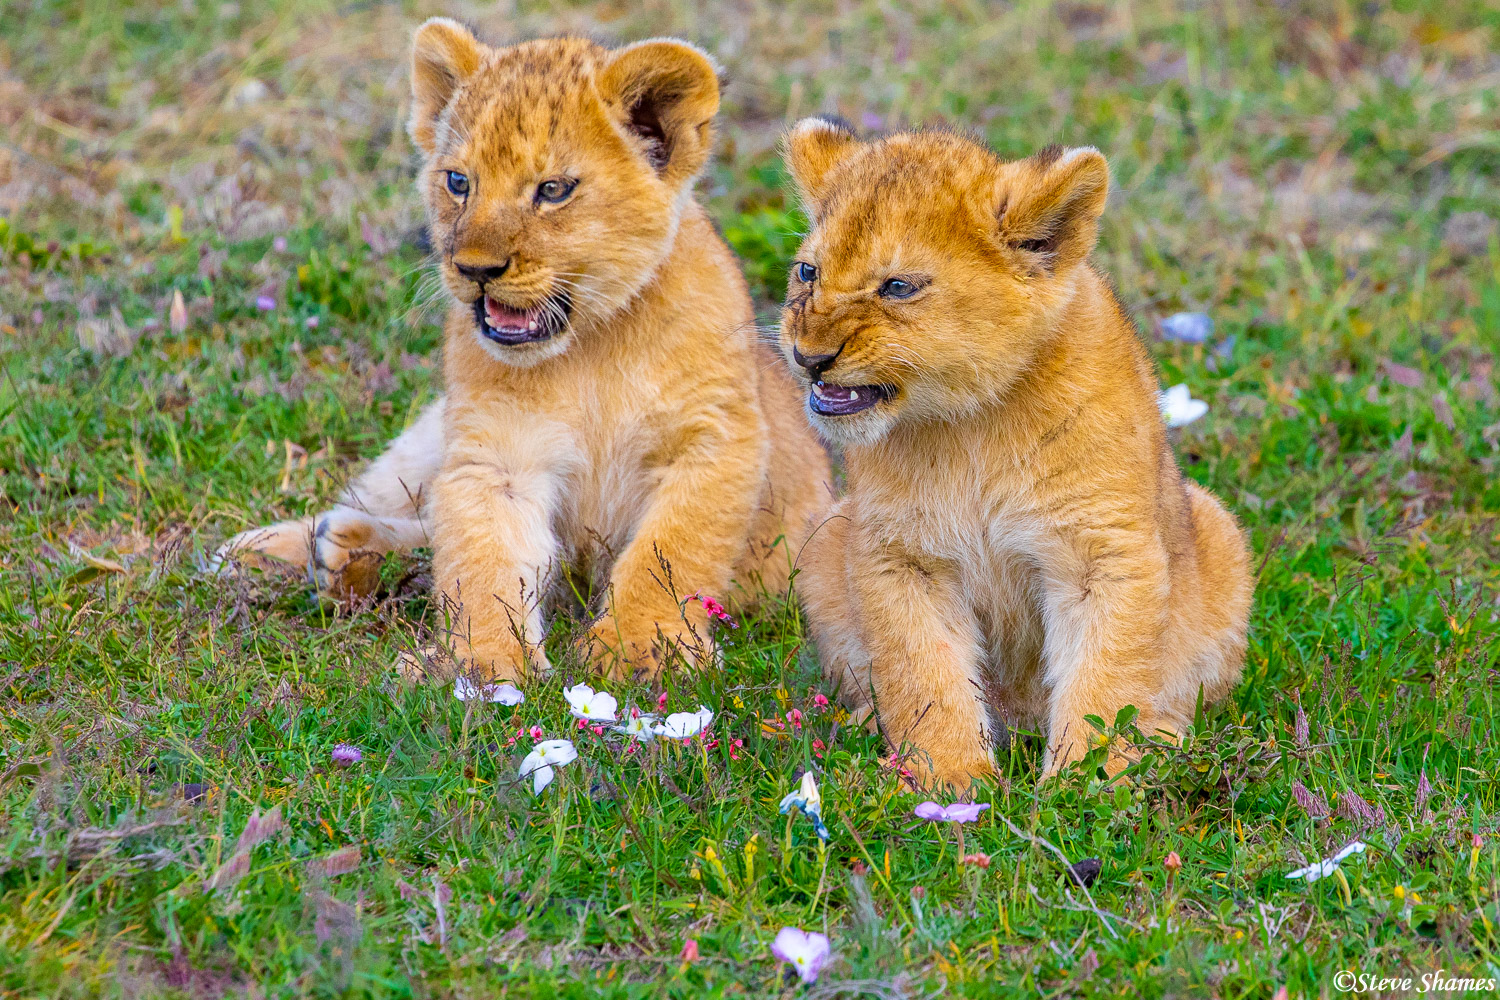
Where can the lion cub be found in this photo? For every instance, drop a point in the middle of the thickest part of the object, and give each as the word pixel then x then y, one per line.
pixel 1017 545
pixel 609 407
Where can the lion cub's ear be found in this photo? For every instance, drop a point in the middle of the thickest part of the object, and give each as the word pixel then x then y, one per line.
pixel 1050 203
pixel 666 94
pixel 443 55
pixel 812 149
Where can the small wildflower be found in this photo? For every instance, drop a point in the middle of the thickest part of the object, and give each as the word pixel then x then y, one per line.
pixel 503 693
pixel 735 748
pixel 818 746
pixel 820 700
pixel 958 812
pixel 919 892
pixel 806 951
pixel 1179 408
pixel 689 950
pixel 1328 865
pixel 177 314
pixel 639 726
pixel 279 244
pixel 535 732
pixel 715 609
pixel 586 703
pixel 684 725
pixel 346 755
pixel 311 322
pixel 809 801
pixel 661 702
pixel 265 303
pixel 979 860
pixel 543 759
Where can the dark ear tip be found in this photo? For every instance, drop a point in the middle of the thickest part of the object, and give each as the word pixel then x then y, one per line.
pixel 838 122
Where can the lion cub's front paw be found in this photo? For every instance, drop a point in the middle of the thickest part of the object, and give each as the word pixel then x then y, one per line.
pixel 345 560
pixel 640 652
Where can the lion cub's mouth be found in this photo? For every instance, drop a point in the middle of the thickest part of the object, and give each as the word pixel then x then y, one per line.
pixel 505 324
pixel 830 400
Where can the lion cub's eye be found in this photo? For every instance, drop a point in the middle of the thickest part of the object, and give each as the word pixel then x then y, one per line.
pixel 895 288
pixel 555 190
pixel 807 273
pixel 458 184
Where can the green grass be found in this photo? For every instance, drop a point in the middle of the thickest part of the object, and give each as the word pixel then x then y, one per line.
pixel 1294 170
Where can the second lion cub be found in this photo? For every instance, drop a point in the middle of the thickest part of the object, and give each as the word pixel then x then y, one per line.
pixel 1017 546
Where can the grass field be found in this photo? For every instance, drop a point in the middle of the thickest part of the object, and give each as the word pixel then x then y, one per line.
pixel 1321 178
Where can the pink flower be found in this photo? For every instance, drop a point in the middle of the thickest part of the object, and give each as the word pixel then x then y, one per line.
pixel 689 950
pixel 661 703
pixel 346 755
pixel 795 718
pixel 735 748
pixel 715 609
pixel 818 747
pixel 582 723
pixel 820 700
pixel 279 244
pixel 536 732
pixel 598 730
pixel 958 812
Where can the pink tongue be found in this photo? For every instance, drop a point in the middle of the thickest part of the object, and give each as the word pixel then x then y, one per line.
pixel 503 317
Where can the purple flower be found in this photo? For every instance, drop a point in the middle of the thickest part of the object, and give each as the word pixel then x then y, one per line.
pixel 265 303
pixel 346 755
pixel 958 812
pixel 807 951
pixel 279 244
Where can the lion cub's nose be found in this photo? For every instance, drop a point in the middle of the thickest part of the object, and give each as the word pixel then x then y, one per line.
pixel 480 273
pixel 816 364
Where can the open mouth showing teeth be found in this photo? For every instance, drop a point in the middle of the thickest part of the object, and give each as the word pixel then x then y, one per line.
pixel 832 400
pixel 505 324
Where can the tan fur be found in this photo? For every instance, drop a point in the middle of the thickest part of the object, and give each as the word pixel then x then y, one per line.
pixel 1017 546
pixel 652 443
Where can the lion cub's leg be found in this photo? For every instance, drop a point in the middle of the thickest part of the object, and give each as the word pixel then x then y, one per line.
pixel 926 649
pixel 695 528
pixel 495 547
pixel 380 512
pixel 832 615
pixel 1106 613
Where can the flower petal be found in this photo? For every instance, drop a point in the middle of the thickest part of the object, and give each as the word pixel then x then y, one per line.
pixel 931 810
pixel 966 812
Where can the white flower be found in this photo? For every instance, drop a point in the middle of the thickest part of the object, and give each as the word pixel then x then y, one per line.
pixel 807 951
pixel 545 756
pixel 504 693
pixel 640 727
pixel 1179 408
pixel 586 703
pixel 1319 869
pixel 684 725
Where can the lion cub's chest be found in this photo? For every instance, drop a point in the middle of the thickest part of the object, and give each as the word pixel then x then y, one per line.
pixel 608 437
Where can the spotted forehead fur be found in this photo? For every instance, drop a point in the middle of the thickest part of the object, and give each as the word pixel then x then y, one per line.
pixel 519 95
pixel 906 183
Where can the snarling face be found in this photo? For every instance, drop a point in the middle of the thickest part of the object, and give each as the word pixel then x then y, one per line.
pixel 556 174
pixel 931 272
